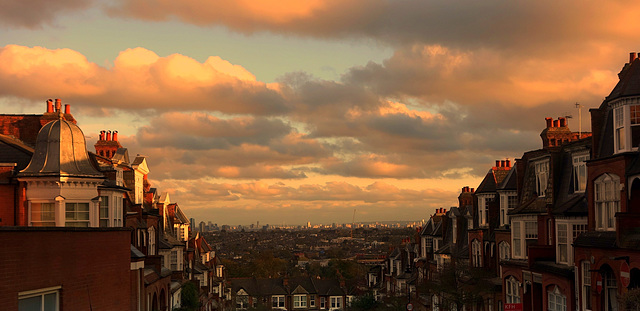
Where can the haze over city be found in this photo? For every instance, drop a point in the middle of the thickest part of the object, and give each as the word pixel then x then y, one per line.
pixel 304 111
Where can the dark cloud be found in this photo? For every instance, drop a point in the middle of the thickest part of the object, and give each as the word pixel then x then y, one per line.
pixel 36 13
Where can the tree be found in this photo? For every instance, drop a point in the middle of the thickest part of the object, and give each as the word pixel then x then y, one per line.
pixel 364 303
pixel 459 285
pixel 190 301
pixel 631 300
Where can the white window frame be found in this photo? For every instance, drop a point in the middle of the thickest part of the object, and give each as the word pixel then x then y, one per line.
pixel 323 301
pixel 567 230
pixel 336 302
pixel 277 301
pixel 242 302
pixel 586 286
pixel 299 301
pixel 104 220
pixel 75 221
pixel 508 201
pixel 580 171
pixel 542 176
pixel 523 228
pixel 505 250
pixel 556 301
pixel 476 253
pixel 607 201
pixel 483 208
pixel 37 205
pixel 312 301
pixel 512 292
pixel 42 293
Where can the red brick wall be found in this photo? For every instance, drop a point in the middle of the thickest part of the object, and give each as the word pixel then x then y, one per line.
pixel 91 265
pixel 23 127
pixel 7 205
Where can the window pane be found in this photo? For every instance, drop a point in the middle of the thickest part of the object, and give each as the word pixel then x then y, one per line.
pixel 50 302
pixel 30 304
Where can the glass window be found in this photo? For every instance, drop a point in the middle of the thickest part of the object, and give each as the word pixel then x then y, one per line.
pixel 323 302
pixel 561 235
pixel 45 300
pixel 618 123
pixel 300 301
pixel 505 250
pixel 278 302
pixel 580 172
pixel 557 301
pixel 43 214
pixel 312 301
pixel 512 292
pixel 542 177
pixel 242 302
pixel 336 302
pixel 607 201
pixel 77 214
pixel 476 253
pixel 517 239
pixel 104 211
pixel 586 285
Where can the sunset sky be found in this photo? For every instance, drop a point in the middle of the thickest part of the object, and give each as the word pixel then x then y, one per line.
pixel 289 111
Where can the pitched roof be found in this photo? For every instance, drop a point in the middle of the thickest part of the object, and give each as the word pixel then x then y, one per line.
pixel 629 83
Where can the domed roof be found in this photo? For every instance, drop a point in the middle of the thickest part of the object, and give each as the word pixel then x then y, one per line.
pixel 60 151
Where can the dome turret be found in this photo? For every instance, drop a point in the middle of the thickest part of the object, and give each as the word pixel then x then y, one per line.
pixel 60 151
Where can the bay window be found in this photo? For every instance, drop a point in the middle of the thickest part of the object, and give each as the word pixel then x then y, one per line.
pixel 43 214
pixel 483 208
pixel 277 302
pixel 300 301
pixel 508 201
pixel 77 214
pixel 626 124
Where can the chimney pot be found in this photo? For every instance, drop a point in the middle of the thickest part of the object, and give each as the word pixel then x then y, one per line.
pixel 508 163
pixel 497 163
pixel 58 104
pixel 109 135
pixel 549 122
pixel 503 163
pixel 471 189
pixel 49 105
pixel 556 123
pixel 563 122
pixel 102 135
pixel 632 57
pixel 115 135
pixel 67 109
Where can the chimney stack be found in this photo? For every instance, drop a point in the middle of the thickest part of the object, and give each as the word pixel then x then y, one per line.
pixel 549 122
pixel 49 105
pixel 632 57
pixel 67 109
pixel 563 122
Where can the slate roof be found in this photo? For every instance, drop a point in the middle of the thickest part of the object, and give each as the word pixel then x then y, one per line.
pixel 596 239
pixel 629 84
pixel 12 150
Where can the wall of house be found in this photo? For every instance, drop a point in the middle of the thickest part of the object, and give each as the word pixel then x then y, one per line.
pixel 90 265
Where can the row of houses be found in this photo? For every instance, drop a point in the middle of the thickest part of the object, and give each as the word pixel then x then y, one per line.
pixel 85 230
pixel 557 230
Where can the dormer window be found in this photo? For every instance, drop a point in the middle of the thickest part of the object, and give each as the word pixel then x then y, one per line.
pixel 483 208
pixel 542 176
pixel 580 172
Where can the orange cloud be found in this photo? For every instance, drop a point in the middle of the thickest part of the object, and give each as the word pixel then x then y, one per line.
pixel 139 79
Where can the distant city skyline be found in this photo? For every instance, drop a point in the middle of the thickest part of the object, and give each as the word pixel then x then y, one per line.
pixel 302 112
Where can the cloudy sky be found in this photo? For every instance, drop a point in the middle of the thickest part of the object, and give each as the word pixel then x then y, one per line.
pixel 288 111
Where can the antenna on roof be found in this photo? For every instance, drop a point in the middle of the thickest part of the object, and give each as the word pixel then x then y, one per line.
pixel 579 107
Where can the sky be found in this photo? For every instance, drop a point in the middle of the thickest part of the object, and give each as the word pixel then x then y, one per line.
pixel 288 111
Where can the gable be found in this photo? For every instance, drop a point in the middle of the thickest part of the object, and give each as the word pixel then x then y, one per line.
pixel 241 292
pixel 300 290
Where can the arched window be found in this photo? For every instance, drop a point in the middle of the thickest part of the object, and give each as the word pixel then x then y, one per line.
pixel 607 201
pixel 610 290
pixel 476 253
pixel 505 250
pixel 512 290
pixel 556 301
